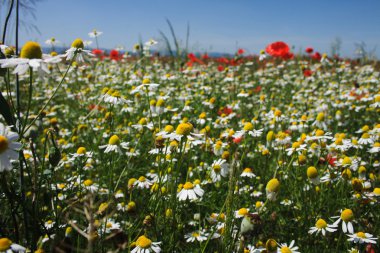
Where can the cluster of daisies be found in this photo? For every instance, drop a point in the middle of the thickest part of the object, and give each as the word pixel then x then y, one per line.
pixel 237 155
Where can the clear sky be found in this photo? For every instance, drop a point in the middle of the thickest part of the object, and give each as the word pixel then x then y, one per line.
pixel 215 25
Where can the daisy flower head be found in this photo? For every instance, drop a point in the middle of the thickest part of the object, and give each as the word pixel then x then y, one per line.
pixel 82 152
pixel 361 237
pixel 191 192
pixel 95 33
pixel 77 51
pixel 219 169
pixel 284 248
pixel 8 147
pixel 183 129
pixel 145 245
pixel 30 57
pixel 247 172
pixel 142 183
pixel 52 41
pixel 272 189
pixel 322 226
pixel 199 236
pixel 241 212
pixel 114 145
pixel 8 246
pixel 346 216
pixel 312 174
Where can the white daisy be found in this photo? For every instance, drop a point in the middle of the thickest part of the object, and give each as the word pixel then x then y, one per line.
pixel 191 192
pixel 145 245
pixel 361 237
pixel 322 226
pixel 95 33
pixel 77 50
pixel 288 249
pixel 8 147
pixel 219 169
pixel 8 246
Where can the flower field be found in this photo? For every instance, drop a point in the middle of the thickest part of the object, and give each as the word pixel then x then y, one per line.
pixel 117 152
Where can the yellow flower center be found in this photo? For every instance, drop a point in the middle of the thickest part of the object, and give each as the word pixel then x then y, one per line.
pixel 5 244
pixel 312 172
pixel 243 211
pixel 202 115
pixel 143 121
pixel 116 94
pixel 3 143
pixel 376 191
pixel 347 161
pixel 247 170
pixel 160 103
pixel 188 186
pixel 143 242
pixel 169 128
pixel 365 128
pixel 195 234
pixel 320 116
pixel 31 50
pixel 277 113
pixel 296 145
pixel 184 128
pixel 321 223
pixel 339 141
pixel 81 151
pixel 377 144
pixel 361 234
pixel 273 185
pixel 146 81
pixel 109 225
pixel 248 126
pixel 217 168
pixel 319 132
pixel 365 136
pixel 377 98
pixel 347 215
pixel 114 140
pixel 88 182
pixel 142 179
pixel 285 250
pixel 78 43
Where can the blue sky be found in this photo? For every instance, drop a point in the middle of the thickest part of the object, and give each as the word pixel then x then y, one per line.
pixel 215 25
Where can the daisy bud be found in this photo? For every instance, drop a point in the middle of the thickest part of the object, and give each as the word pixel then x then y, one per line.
pixel 271 246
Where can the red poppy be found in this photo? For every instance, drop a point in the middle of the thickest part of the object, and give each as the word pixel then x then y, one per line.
pixel 331 159
pixel 225 110
pixel 97 52
pixel 205 56
pixel 257 89
pixel 220 68
pixel 193 58
pixel 288 56
pixel 316 56
pixel 240 51
pixel 114 55
pixel 223 60
pixel 309 50
pixel 307 73
pixel 277 49
pixel 237 140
